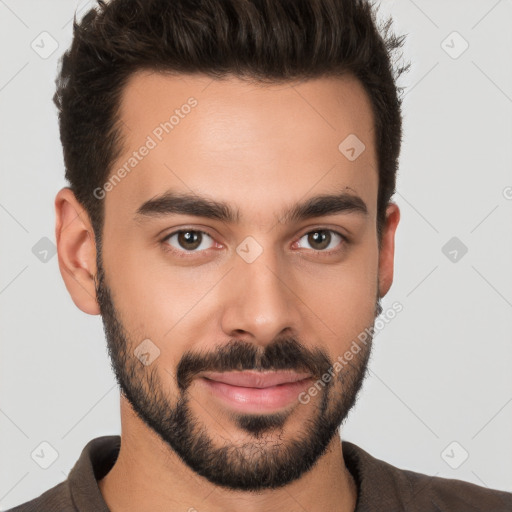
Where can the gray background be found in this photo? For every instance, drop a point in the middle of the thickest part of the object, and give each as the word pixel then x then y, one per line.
pixel 440 372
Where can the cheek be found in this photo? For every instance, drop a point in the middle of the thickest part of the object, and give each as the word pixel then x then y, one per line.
pixel 163 303
pixel 343 298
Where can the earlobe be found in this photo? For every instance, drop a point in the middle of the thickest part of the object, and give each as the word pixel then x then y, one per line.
pixel 76 249
pixel 387 250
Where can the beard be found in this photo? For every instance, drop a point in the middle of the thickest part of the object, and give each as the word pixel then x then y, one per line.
pixel 268 459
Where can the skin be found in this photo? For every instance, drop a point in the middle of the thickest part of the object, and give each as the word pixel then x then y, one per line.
pixel 261 149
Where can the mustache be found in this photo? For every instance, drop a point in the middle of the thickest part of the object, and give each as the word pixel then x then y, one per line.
pixel 237 355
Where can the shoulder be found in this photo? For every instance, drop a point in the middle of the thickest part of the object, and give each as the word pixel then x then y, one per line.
pixel 56 498
pixel 452 495
pixel 382 486
pixel 80 490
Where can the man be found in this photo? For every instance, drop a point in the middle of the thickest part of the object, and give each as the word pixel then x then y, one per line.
pixel 231 168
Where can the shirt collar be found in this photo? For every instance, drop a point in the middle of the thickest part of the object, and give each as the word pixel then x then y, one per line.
pixel 376 480
pixel 96 460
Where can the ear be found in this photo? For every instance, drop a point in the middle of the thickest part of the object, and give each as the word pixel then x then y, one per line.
pixel 387 250
pixel 76 249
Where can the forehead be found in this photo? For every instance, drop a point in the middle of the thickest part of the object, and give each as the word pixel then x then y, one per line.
pixel 255 146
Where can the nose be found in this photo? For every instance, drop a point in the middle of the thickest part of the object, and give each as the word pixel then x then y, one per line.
pixel 260 301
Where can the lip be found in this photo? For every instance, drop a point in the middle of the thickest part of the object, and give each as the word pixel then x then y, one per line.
pixel 255 391
pixel 256 379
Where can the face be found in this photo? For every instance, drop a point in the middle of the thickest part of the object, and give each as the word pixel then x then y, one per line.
pixel 239 264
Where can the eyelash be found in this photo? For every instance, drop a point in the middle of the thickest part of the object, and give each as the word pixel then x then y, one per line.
pixel 188 254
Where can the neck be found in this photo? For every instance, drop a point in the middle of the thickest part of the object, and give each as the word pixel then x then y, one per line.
pixel 149 476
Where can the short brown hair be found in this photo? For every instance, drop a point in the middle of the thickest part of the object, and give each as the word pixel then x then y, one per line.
pixel 261 40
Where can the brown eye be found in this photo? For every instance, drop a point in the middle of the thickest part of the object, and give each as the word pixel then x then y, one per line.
pixel 322 239
pixel 188 240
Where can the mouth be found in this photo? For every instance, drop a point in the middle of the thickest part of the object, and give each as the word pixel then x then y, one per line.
pixel 255 391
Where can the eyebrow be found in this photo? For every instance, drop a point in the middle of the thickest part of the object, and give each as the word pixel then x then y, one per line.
pixel 174 203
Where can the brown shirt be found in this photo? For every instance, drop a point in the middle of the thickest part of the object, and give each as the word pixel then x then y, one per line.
pixel 381 486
